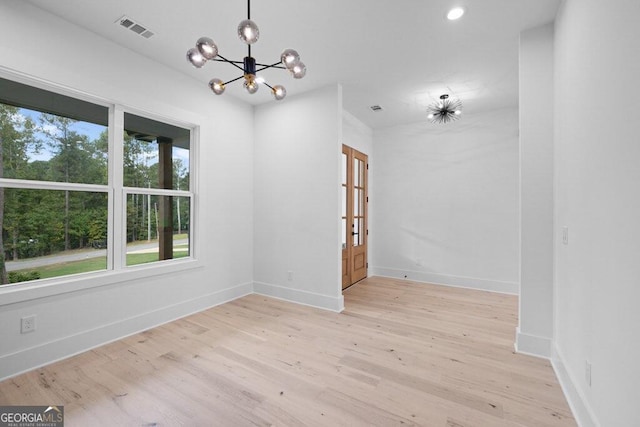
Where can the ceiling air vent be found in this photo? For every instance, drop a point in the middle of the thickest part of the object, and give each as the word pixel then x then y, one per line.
pixel 376 108
pixel 134 26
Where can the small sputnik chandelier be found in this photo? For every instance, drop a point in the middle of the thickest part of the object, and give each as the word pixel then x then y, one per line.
pixel 446 110
pixel 206 50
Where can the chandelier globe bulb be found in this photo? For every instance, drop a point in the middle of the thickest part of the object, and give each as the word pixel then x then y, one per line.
pixel 279 92
pixel 248 31
pixel 217 86
pixel 207 48
pixel 299 70
pixel 289 58
pixel 251 85
pixel 195 58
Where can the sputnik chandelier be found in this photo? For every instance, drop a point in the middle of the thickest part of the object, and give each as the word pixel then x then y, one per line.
pixel 445 110
pixel 206 50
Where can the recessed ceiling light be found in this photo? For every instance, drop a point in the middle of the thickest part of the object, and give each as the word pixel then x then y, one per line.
pixel 455 13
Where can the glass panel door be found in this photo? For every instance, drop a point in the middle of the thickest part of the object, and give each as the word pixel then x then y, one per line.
pixel 354 216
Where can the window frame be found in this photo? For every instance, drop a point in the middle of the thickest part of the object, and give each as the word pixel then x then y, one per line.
pixel 117 272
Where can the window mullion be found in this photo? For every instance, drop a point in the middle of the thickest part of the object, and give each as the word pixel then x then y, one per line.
pixel 51 185
pixel 117 233
pixel 194 187
pixel 157 191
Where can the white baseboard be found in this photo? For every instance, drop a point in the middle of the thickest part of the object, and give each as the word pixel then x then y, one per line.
pixel 300 297
pixel 46 353
pixel 512 288
pixel 582 411
pixel 532 345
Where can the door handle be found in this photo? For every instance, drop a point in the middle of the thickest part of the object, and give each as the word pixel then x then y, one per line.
pixel 353 233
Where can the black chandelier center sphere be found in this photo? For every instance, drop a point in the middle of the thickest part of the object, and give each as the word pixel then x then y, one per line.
pixel 445 110
pixel 206 50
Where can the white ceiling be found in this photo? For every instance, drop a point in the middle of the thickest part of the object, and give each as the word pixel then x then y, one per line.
pixel 399 54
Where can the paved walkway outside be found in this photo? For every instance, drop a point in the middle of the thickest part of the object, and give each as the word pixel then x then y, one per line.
pixel 79 255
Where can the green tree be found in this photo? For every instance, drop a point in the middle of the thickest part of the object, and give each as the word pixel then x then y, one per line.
pixel 16 138
pixel 141 171
pixel 181 182
pixel 76 159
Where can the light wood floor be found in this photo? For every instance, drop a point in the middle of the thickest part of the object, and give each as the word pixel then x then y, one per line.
pixel 400 354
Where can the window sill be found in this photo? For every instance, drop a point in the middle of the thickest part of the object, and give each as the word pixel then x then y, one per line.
pixel 21 292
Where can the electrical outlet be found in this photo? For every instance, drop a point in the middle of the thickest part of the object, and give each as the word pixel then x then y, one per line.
pixel 290 275
pixel 28 324
pixel 587 372
pixel 565 235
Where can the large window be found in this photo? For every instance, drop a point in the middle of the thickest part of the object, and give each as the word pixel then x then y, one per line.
pixel 64 193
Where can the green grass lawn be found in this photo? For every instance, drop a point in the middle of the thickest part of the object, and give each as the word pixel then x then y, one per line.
pixel 183 236
pixel 95 264
pixel 75 267
pixel 143 258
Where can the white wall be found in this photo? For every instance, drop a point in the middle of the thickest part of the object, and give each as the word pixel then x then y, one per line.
pixel 297 198
pixel 597 170
pixel 40 45
pixel 535 328
pixel 356 134
pixel 446 202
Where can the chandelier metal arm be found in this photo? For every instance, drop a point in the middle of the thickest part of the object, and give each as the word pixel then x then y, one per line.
pixel 234 80
pixel 225 60
pixel 242 77
pixel 234 63
pixel 275 65
pixel 264 66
